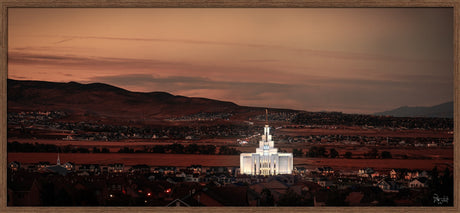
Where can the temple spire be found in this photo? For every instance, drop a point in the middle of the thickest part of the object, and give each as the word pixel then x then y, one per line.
pixel 58 161
pixel 266 116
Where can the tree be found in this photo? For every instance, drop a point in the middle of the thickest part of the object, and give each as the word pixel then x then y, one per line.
pixel 192 148
pixel 312 152
pixel 348 155
pixel 225 150
pixel 207 149
pixel 126 150
pixel 266 198
pixel 47 194
pixel 322 152
pixel 290 198
pixel 297 152
pixel 336 198
pixel 63 198
pixel 333 153
pixel 434 176
pixel 372 154
pixel 158 149
pixel 83 150
pixel 176 148
pixel 385 155
pixel 96 150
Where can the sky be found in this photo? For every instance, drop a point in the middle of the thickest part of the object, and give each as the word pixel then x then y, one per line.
pixel 352 60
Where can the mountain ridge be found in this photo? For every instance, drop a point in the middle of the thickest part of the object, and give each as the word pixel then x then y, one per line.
pixel 106 100
pixel 444 110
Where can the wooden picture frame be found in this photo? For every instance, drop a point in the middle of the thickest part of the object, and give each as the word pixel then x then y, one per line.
pixel 7 4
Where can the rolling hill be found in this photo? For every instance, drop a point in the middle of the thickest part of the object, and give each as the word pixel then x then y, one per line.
pixel 445 110
pixel 105 100
pixel 97 101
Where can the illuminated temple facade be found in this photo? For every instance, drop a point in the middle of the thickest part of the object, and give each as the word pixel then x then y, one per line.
pixel 266 160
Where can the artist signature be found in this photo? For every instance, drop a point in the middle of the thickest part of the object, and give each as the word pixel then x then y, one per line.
pixel 440 200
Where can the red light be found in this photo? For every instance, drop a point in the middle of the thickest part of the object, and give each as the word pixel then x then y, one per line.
pixel 328 187
pixel 149 194
pixel 124 192
pixel 168 190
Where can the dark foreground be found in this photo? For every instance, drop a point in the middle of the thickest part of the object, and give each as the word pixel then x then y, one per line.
pixel 142 185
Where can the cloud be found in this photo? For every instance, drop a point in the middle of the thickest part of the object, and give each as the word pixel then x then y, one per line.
pixel 64 40
pixel 254 86
pixel 295 50
pixel 351 95
pixel 176 84
pixel 24 58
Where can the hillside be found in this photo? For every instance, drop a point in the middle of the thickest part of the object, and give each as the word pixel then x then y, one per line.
pixel 105 100
pixel 445 110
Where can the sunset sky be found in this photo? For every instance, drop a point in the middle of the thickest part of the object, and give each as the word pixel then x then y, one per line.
pixel 350 60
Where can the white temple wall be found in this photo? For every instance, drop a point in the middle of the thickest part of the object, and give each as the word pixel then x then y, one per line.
pixel 266 160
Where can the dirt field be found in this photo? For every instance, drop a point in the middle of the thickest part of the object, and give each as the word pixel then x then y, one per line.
pixel 358 151
pixel 183 160
pixel 351 131
pixel 132 142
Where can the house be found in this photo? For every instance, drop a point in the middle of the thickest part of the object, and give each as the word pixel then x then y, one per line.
pixel 384 185
pixel 393 174
pixel 243 178
pixel 31 168
pixel 177 202
pixel 305 186
pixel 58 169
pixel 367 172
pixel 320 198
pixel 24 192
pixel 287 179
pixel 217 170
pixel 223 179
pixel 324 182
pixel 300 170
pixel 181 174
pixel 14 165
pixel 226 196
pixel 415 174
pixel 166 170
pixel 192 178
pixel 411 175
pixel 69 166
pixel 418 183
pixel 325 170
pixel 140 168
pixel 115 168
pixel 93 168
pixel 276 187
pixel 195 168
pixel 43 164
pixel 354 198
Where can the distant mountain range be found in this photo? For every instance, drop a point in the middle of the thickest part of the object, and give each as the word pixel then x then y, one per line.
pixel 97 100
pixel 445 110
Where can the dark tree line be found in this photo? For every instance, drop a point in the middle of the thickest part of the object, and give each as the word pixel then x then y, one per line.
pixel 317 152
pixel 321 152
pixel 177 148
pixel 374 154
pixel 225 150
pixel 338 118
pixel 38 147
pixel 441 186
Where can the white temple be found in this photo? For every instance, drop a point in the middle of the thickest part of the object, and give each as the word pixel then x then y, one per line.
pixel 266 160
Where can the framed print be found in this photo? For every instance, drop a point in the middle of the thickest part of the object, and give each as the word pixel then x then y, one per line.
pixel 229 106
